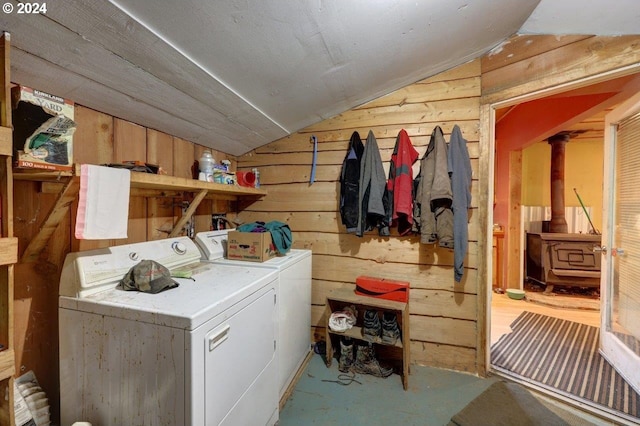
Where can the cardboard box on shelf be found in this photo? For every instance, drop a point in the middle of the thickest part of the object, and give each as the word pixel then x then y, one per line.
pixel 43 129
pixel 251 246
pixel 383 288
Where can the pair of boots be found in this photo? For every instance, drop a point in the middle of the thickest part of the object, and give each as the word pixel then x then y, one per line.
pixel 387 331
pixel 364 360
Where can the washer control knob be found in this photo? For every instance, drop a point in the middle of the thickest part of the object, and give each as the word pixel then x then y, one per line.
pixel 133 255
pixel 179 248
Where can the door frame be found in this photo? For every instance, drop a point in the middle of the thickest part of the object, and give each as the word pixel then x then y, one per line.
pixel 486 173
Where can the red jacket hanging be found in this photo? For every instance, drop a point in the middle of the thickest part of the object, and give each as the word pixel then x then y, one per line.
pixel 400 183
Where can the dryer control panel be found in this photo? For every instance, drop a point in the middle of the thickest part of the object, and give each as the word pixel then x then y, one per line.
pixel 89 272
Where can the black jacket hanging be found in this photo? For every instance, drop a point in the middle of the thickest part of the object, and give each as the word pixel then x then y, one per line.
pixel 373 197
pixel 350 183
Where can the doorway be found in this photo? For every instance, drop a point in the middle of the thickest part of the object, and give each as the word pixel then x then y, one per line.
pixel 503 311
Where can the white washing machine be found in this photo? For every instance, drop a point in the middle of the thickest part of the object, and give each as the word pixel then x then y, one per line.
pixel 202 353
pixel 293 294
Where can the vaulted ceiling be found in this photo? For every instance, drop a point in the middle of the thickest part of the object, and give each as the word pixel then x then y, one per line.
pixel 236 75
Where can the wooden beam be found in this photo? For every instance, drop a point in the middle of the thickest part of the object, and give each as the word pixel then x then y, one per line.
pixel 185 218
pixel 5 73
pixel 6 141
pixel 522 47
pixel 8 250
pixel 6 196
pixel 7 367
pixel 9 244
pixel 485 202
pixel 57 213
pixel 6 179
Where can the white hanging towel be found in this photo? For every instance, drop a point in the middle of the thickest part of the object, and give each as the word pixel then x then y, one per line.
pixel 103 205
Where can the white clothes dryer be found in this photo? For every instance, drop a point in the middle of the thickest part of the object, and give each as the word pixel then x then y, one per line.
pixel 202 353
pixel 293 294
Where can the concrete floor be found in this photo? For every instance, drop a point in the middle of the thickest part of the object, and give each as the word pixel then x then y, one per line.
pixel 434 395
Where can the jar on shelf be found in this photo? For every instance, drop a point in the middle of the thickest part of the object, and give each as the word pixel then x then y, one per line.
pixel 205 164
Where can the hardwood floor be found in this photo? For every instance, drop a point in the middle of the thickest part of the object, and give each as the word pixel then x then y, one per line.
pixel 505 310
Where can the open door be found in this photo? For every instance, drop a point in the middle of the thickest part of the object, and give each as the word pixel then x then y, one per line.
pixel 620 279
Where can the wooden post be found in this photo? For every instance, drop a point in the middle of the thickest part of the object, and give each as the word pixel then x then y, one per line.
pixel 7 355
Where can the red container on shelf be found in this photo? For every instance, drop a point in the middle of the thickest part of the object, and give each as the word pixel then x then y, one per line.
pixel 383 288
pixel 247 179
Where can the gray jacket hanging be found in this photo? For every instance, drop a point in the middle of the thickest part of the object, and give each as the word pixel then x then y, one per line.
pixel 460 171
pixel 434 197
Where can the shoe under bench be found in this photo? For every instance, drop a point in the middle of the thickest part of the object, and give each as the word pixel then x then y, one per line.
pixel 397 354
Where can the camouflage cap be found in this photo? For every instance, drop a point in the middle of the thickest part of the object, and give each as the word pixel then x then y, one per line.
pixel 148 276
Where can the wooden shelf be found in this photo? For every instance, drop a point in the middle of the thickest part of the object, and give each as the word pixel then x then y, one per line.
pixel 399 352
pixel 356 333
pixel 162 183
pixel 349 296
pixel 8 251
pixel 6 141
pixel 142 185
pixel 7 364
pixel 148 181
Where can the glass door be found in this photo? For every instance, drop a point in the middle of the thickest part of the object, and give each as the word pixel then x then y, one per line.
pixel 620 279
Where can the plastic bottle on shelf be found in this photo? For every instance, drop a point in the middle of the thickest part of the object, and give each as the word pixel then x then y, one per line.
pixel 205 163
pixel 257 175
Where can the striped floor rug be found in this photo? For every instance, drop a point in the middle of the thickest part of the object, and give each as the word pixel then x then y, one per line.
pixel 563 355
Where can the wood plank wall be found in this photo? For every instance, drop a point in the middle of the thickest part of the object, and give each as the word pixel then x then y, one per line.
pixel 99 139
pixel 443 314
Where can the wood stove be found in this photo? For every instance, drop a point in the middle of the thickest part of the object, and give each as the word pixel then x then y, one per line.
pixel 555 258
pixel 558 257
